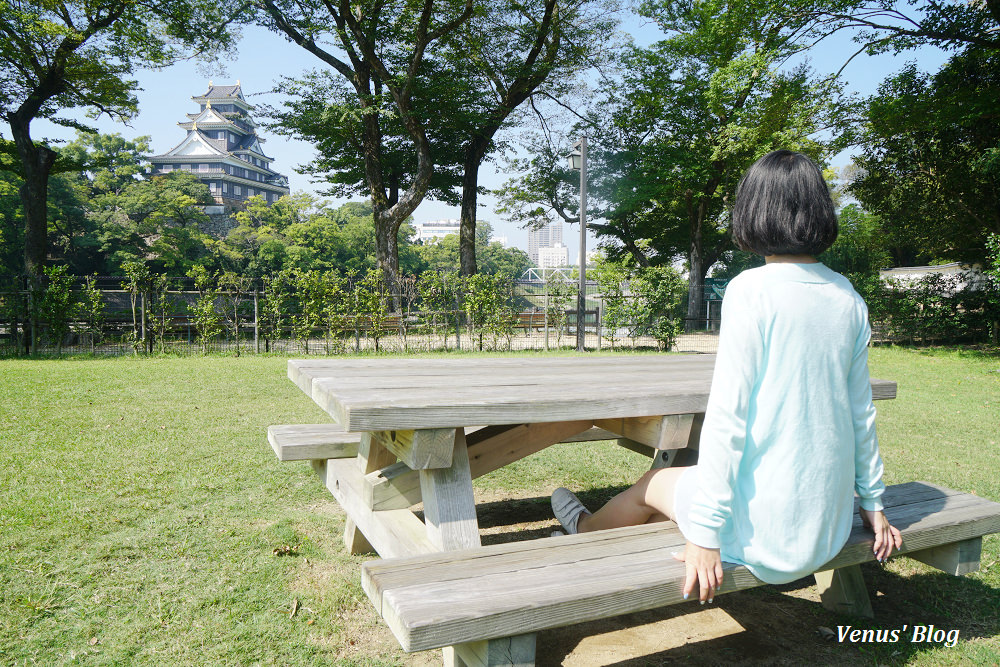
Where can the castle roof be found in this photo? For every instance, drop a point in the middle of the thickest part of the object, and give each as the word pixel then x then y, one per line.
pixel 196 144
pixel 223 93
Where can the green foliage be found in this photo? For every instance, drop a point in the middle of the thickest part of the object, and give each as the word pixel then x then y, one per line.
pixel 884 25
pixel 670 138
pixel 91 310
pixel 491 257
pixel 734 262
pixel 645 300
pixel 560 296
pixel 137 283
pixel 204 311
pixel 371 301
pixel 860 245
pixel 439 295
pixel 274 303
pixel 993 255
pixel 488 301
pixel 931 160
pixel 78 54
pixel 55 303
pixel 612 280
pixel 932 310
pixel 234 289
pixel 659 291
pixel 162 307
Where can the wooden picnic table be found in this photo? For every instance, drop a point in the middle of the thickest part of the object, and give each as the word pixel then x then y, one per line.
pixel 428 426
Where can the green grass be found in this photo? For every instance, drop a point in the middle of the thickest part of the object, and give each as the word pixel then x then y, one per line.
pixel 140 511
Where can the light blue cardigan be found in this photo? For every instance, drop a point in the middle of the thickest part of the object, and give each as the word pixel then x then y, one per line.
pixel 789 431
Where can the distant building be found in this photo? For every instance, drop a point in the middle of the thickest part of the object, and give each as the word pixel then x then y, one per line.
pixel 545 237
pixel 554 257
pixel 223 150
pixel 963 275
pixel 435 230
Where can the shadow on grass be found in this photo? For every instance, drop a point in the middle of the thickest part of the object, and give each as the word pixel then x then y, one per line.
pixel 780 624
pixel 776 627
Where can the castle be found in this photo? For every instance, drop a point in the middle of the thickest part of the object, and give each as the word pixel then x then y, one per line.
pixel 223 150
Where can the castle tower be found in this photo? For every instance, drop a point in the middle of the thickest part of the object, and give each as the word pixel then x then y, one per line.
pixel 223 150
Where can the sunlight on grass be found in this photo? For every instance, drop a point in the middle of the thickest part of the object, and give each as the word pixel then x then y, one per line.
pixel 141 510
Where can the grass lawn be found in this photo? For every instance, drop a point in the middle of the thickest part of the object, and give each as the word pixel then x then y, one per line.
pixel 145 520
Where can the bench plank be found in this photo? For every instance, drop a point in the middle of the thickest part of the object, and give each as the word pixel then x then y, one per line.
pixel 302 442
pixel 513 589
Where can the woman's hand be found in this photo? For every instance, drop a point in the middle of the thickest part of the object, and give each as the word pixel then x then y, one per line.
pixel 704 566
pixel 886 535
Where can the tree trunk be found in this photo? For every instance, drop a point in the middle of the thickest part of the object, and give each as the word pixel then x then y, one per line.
pixel 467 226
pixel 696 274
pixel 36 162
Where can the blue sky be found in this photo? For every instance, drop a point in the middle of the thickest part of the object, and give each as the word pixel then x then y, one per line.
pixel 264 57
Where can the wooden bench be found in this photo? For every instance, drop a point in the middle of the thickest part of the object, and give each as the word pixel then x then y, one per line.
pixel 485 604
pixel 309 442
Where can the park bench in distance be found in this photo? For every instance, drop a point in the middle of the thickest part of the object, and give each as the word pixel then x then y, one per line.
pixel 483 605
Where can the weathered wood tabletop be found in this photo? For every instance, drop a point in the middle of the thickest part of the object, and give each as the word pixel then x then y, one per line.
pixel 379 394
pixel 417 416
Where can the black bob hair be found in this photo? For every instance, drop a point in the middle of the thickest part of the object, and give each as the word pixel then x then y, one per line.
pixel 783 207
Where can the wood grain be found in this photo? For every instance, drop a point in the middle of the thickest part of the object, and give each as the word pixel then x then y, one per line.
pixel 429 393
pixel 302 442
pixel 449 506
pixel 393 533
pixel 397 486
pixel 514 589
pixel 843 591
pixel 958 558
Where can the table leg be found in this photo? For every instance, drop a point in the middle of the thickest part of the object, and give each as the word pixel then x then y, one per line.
pixel 449 506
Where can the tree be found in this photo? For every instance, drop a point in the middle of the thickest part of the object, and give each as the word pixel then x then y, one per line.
pixel 379 49
pixel 505 54
pixel 930 164
pixel 158 217
pixel 445 254
pixel 860 248
pixel 66 54
pixel 884 25
pixel 672 137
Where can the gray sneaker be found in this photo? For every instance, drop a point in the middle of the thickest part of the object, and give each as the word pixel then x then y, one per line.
pixel 567 509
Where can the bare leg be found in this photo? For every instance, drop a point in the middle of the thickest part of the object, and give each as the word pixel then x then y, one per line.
pixel 651 498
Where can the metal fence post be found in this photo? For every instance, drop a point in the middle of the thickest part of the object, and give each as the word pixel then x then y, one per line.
pixel 600 321
pixel 546 316
pixel 256 324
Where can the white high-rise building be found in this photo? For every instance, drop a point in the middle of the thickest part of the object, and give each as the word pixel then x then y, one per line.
pixel 553 258
pixel 435 230
pixel 545 237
